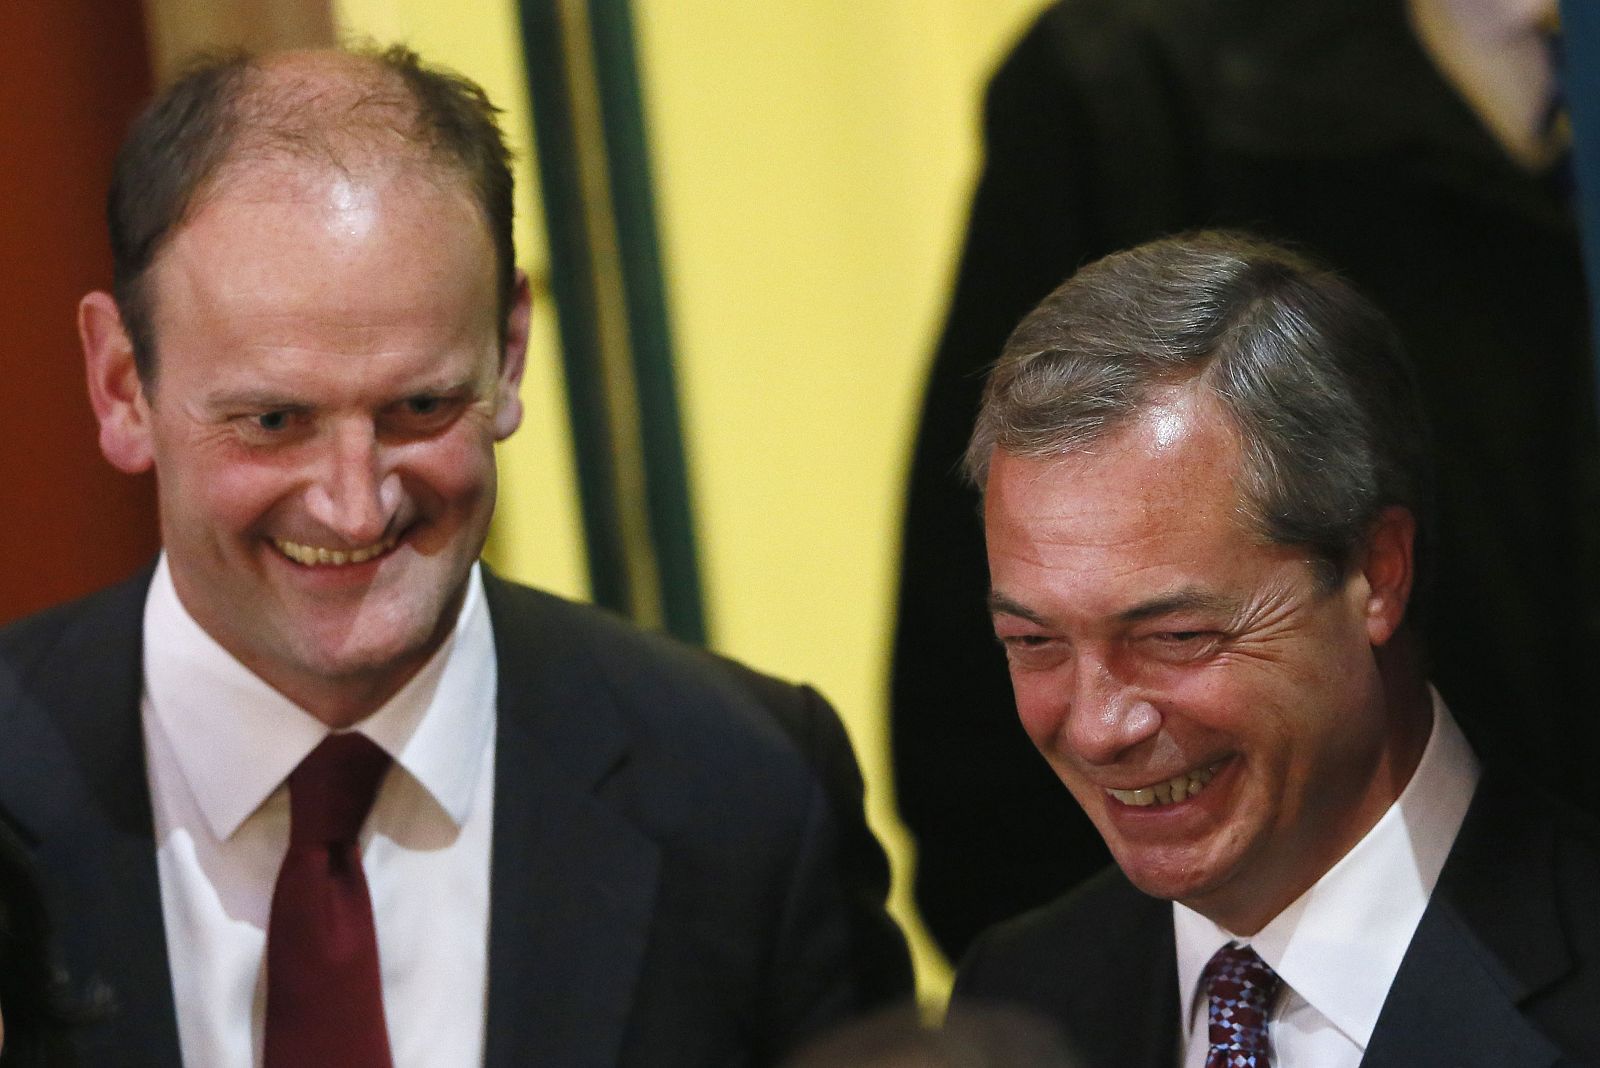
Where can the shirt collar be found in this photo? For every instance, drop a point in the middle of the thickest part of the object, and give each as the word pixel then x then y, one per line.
pixel 1340 943
pixel 236 739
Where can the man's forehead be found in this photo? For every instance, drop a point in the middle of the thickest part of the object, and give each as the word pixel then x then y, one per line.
pixel 273 227
pixel 1181 435
pixel 1153 497
pixel 297 253
pixel 344 188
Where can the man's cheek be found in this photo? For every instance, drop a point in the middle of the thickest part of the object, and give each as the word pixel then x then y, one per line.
pixel 244 498
pixel 1040 713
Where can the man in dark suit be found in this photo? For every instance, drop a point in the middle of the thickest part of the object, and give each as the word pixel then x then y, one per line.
pixel 1409 165
pixel 1208 515
pixel 318 789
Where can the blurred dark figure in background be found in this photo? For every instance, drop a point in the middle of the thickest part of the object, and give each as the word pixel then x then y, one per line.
pixel 33 1014
pixel 1411 144
pixel 981 1037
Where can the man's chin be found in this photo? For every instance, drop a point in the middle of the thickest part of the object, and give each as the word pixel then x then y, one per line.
pixel 350 669
pixel 1172 875
pixel 371 658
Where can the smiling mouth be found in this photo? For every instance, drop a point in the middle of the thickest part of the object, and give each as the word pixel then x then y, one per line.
pixel 1169 792
pixel 317 556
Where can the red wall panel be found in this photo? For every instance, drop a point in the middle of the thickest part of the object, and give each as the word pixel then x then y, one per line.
pixel 72 74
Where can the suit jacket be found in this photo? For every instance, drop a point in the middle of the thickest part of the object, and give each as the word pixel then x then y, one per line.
pixel 1323 123
pixel 682 875
pixel 1502 972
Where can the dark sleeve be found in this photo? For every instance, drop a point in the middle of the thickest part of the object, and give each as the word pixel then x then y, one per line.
pixel 39 1015
pixel 1100 963
pixel 836 953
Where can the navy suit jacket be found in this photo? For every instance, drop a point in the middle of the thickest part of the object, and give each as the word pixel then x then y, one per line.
pixel 682 874
pixel 1503 971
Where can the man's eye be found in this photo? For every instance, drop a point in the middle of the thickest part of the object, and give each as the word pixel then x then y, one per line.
pixel 273 421
pixel 1032 651
pixel 422 415
pixel 1025 641
pixel 1186 643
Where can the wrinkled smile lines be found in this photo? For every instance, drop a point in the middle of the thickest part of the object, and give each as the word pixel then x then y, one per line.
pixel 315 556
pixel 1169 791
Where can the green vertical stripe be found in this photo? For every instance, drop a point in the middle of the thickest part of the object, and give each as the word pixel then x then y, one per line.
pixel 606 280
pixel 660 423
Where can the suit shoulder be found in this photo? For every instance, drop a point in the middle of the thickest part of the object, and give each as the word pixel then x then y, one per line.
pixel 1100 963
pixel 657 680
pixel 1027 959
pixel 74 628
pixel 1515 828
pixel 1101 909
pixel 1509 807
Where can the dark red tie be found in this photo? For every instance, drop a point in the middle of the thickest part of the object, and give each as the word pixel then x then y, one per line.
pixel 1240 988
pixel 324 998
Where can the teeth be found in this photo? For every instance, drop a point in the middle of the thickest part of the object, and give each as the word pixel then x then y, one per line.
pixel 313 555
pixel 1173 790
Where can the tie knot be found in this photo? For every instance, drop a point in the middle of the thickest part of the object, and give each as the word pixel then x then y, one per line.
pixel 332 790
pixel 1240 986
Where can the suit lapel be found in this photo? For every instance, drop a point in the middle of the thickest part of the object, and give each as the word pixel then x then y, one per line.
pixel 72 774
pixel 1490 939
pixel 574 882
pixel 1450 1005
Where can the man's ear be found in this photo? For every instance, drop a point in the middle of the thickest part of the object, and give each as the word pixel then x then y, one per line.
pixel 513 360
pixel 1389 568
pixel 115 391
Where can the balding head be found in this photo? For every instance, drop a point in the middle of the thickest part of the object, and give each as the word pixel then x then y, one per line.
pixel 240 119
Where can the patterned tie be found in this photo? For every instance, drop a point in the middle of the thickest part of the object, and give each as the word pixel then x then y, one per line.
pixel 324 999
pixel 1241 988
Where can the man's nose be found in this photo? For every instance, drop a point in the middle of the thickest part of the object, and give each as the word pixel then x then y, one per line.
pixel 1108 715
pixel 354 495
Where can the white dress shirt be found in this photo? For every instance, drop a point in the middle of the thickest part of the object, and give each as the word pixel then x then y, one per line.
pixel 1339 945
pixel 1495 53
pixel 220 742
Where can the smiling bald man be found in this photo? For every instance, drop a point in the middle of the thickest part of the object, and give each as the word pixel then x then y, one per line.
pixel 318 788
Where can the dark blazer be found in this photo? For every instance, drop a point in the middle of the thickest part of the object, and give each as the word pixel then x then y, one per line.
pixel 682 875
pixel 1323 123
pixel 1503 971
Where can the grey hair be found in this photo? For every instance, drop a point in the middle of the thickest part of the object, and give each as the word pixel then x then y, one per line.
pixel 1311 374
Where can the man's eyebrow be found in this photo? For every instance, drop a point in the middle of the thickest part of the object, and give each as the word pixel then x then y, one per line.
pixel 256 398
pixel 1188 599
pixel 444 387
pixel 1184 600
pixel 251 399
pixel 1000 604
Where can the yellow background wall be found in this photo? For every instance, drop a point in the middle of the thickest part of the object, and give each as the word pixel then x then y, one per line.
pixel 812 164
